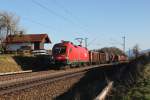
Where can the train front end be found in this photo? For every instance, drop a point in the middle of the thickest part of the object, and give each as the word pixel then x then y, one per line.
pixel 59 53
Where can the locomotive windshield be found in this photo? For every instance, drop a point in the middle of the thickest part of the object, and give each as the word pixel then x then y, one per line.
pixel 59 50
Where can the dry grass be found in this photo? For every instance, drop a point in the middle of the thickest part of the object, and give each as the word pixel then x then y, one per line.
pixel 8 64
pixel 13 63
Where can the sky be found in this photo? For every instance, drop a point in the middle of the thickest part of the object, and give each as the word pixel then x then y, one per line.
pixel 103 22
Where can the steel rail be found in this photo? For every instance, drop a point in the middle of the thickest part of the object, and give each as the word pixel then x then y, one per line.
pixel 33 83
pixel 13 73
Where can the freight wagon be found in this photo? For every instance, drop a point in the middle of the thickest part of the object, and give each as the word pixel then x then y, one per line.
pixel 97 57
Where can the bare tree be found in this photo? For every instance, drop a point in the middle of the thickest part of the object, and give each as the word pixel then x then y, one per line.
pixel 136 50
pixel 8 24
pixel 112 50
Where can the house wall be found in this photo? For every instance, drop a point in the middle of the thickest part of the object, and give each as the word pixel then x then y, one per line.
pixel 14 47
pixel 41 45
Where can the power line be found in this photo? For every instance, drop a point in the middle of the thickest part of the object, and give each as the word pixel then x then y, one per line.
pixel 38 23
pixel 62 7
pixel 91 42
pixel 56 14
pixel 68 12
pixel 51 11
pixel 123 44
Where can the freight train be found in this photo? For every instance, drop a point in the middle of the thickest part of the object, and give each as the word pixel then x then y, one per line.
pixel 66 53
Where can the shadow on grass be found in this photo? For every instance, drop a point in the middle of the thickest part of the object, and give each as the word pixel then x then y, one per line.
pixel 38 63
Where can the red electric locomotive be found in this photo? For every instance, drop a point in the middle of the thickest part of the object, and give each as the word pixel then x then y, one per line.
pixel 67 53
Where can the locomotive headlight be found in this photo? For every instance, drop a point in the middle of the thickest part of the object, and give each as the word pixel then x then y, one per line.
pixel 67 57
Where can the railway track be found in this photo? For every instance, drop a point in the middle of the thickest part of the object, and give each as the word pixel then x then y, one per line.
pixel 14 73
pixel 29 73
pixel 16 85
pixel 22 83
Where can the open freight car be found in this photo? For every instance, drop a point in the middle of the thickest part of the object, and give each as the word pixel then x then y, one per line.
pixel 66 53
pixel 97 57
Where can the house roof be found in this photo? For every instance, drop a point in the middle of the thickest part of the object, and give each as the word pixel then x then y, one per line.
pixel 28 38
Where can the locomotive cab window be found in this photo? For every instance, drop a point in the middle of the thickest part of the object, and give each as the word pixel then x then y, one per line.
pixel 59 50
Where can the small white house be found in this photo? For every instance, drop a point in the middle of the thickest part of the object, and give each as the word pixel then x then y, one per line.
pixel 32 41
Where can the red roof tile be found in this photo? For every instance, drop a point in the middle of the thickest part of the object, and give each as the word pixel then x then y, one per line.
pixel 28 38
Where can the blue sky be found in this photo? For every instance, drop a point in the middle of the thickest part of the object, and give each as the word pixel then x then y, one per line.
pixel 103 22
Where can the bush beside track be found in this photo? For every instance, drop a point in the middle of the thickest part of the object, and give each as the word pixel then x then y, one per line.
pixel 134 82
pixel 141 89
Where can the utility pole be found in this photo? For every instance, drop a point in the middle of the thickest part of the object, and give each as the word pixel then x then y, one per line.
pixel 129 52
pixel 124 43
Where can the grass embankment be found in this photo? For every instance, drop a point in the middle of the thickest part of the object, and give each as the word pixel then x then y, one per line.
pixel 141 90
pixel 8 64
pixel 13 63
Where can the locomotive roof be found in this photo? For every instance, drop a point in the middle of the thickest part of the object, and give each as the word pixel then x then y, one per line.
pixel 68 42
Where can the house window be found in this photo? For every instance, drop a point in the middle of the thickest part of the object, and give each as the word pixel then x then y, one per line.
pixel 36 46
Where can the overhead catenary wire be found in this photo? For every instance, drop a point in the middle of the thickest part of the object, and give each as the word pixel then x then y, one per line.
pixel 38 23
pixel 91 42
pixel 67 11
pixel 50 11
pixel 41 24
